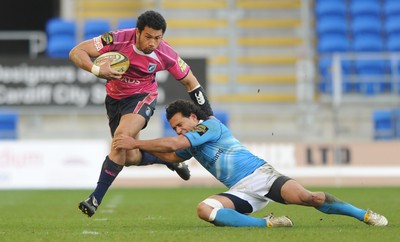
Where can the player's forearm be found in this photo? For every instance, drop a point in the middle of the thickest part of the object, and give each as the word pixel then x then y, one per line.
pixel 161 145
pixel 81 59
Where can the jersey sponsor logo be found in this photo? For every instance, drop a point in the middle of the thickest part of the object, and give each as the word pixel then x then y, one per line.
pixel 152 67
pixel 128 80
pixel 98 44
pixel 200 129
pixel 200 98
pixel 217 155
pixel 182 64
pixel 107 38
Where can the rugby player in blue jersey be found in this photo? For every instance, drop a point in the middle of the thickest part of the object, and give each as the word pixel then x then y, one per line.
pixel 252 182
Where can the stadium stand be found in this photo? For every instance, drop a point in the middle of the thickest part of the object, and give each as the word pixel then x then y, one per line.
pixel 371 28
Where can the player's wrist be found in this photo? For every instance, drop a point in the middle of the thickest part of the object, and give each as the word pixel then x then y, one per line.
pixel 199 97
pixel 95 70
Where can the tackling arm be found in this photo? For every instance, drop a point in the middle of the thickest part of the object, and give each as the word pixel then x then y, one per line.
pixel 164 148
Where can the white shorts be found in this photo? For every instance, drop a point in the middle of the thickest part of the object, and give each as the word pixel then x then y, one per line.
pixel 256 186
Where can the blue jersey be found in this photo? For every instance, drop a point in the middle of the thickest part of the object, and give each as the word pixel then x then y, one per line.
pixel 217 150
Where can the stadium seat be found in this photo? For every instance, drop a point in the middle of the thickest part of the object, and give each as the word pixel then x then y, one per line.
pixel 325 66
pixel 396 117
pixel 370 80
pixel 331 24
pixel 368 42
pixel 330 43
pixel 126 23
pixel 366 24
pixel 393 42
pixel 326 86
pixel 329 8
pixel 392 29
pixel 383 124
pixel 326 75
pixel 391 7
pixel 365 8
pixel 61 35
pixel 8 125
pixel 95 27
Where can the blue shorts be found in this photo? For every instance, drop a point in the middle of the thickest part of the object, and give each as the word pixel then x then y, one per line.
pixel 143 104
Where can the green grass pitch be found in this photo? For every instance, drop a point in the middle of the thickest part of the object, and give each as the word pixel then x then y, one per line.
pixel 169 214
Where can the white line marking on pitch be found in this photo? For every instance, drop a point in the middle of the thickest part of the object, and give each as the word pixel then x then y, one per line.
pixel 90 232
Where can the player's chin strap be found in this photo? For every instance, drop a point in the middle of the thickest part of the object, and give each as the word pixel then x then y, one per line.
pixel 199 97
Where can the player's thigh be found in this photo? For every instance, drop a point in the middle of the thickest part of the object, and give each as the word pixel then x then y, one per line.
pixel 130 124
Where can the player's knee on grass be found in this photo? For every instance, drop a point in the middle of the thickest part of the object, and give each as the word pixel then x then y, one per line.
pixel 207 209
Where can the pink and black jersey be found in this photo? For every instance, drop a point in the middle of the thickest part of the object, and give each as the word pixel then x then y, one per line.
pixel 140 77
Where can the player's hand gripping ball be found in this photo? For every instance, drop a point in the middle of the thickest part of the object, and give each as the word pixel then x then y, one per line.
pixel 119 62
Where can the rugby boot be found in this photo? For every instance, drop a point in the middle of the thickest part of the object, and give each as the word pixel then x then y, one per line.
pixel 181 169
pixel 89 206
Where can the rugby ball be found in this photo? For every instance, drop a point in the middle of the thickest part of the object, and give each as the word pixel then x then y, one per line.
pixel 119 62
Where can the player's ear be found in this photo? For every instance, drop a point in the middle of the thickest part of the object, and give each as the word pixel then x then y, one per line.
pixel 193 116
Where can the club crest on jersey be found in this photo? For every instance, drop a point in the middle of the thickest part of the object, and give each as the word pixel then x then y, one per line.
pixel 107 38
pixel 152 67
pixel 200 129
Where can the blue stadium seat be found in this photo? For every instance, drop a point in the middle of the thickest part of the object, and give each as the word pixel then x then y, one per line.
pixel 126 23
pixel 328 7
pixel 366 24
pixel 326 85
pixel 370 80
pixel 331 24
pixel 325 71
pixel 331 43
pixel 325 66
pixel 393 42
pixel 383 125
pixel 368 42
pixel 391 7
pixel 61 35
pixel 392 29
pixel 8 125
pixel 95 27
pixel 396 117
pixel 365 7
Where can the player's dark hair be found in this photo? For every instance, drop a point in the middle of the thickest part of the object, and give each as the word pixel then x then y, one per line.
pixel 185 108
pixel 151 19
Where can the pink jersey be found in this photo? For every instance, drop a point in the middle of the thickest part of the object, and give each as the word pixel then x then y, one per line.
pixel 140 77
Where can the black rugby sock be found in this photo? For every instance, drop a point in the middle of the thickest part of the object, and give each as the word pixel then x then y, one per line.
pixel 109 172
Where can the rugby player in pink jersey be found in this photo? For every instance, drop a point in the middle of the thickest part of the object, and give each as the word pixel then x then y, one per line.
pixel 131 96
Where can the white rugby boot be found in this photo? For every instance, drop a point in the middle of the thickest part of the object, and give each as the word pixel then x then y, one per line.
pixel 375 219
pixel 274 222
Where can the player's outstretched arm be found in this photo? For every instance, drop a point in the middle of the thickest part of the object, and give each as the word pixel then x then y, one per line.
pixel 168 144
pixel 197 93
